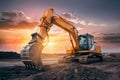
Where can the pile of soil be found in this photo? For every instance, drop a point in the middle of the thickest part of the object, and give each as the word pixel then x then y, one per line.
pixel 73 71
pixel 109 69
pixel 77 72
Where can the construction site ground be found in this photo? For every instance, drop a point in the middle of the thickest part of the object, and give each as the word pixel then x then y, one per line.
pixel 109 69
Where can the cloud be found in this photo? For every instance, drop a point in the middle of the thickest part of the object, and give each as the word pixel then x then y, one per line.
pixel 88 26
pixel 107 37
pixel 114 28
pixel 112 37
pixel 21 25
pixel 14 16
pixel 81 23
pixel 15 19
pixel 102 32
pixel 70 17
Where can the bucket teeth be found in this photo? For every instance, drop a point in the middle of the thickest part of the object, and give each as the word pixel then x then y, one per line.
pixel 31 65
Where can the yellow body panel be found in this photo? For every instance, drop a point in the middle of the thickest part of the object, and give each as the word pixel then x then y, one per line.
pixel 69 51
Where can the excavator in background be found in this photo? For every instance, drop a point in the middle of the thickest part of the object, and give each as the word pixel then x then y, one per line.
pixel 84 49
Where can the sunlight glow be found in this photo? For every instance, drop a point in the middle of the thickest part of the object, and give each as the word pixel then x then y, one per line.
pixel 51 43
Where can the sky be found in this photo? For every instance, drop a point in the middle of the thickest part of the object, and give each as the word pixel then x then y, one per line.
pixel 101 10
pixel 18 19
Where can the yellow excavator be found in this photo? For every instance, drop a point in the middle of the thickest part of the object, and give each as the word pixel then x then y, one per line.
pixel 84 49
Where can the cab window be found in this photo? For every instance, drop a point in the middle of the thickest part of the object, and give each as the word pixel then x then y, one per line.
pixel 83 43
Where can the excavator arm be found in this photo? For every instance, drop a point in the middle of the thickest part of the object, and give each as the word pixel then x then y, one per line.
pixel 49 19
pixel 31 53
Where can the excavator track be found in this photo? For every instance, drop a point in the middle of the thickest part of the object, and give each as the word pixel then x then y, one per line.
pixel 94 58
pixel 82 59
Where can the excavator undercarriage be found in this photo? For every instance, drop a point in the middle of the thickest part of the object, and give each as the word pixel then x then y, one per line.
pixel 85 58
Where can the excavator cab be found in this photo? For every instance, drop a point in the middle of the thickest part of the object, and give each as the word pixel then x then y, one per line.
pixel 88 51
pixel 86 42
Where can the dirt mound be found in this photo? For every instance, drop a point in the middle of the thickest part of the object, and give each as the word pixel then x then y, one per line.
pixel 72 71
pixel 77 72
pixel 109 69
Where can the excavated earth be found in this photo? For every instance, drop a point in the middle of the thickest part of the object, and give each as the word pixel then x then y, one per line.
pixel 109 69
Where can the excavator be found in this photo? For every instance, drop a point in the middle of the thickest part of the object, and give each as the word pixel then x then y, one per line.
pixel 84 49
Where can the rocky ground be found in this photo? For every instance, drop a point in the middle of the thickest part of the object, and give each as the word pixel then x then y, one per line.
pixel 109 69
